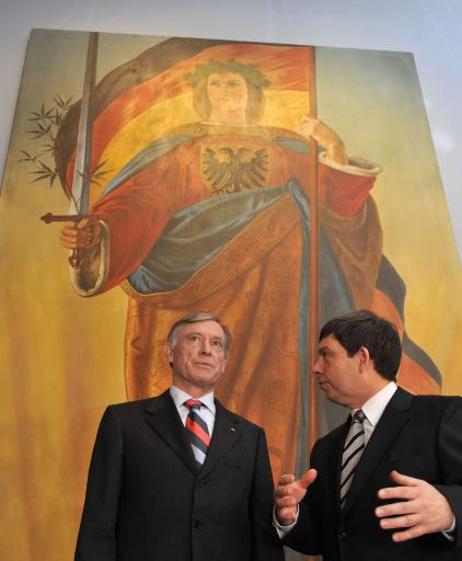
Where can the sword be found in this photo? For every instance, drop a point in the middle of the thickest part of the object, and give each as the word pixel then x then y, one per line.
pixel 80 193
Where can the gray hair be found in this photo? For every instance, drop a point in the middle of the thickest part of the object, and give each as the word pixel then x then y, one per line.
pixel 194 318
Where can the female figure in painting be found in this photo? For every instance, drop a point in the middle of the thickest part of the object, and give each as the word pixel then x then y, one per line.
pixel 214 216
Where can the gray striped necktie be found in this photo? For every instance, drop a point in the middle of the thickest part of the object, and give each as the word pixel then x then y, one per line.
pixel 354 446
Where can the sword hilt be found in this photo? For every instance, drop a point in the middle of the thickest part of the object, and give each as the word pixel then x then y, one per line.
pixel 49 217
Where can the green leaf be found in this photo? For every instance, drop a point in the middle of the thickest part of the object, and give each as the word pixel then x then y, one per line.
pixel 44 166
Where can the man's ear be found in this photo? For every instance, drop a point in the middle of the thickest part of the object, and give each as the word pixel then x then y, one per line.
pixel 169 352
pixel 225 362
pixel 364 359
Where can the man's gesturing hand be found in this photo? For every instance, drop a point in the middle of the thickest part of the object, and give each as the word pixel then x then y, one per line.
pixel 289 493
pixel 420 509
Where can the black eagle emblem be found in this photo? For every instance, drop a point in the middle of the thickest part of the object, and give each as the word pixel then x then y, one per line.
pixel 229 170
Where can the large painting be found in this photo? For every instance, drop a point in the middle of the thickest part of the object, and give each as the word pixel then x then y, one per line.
pixel 273 185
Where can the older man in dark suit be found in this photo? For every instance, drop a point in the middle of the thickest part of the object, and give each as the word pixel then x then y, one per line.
pixel 179 477
pixel 388 483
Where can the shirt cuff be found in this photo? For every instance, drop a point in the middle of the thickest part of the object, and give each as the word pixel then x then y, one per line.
pixel 449 533
pixel 284 530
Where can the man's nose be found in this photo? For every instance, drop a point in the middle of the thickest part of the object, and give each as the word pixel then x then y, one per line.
pixel 206 348
pixel 317 366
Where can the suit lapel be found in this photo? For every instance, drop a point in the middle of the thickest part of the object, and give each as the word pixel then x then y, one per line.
pixel 394 417
pixel 226 433
pixel 162 416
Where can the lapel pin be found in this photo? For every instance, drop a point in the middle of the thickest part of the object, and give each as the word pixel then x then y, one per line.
pixel 232 429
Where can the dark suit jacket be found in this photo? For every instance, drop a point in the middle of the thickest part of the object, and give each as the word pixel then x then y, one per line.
pixel 418 436
pixel 147 500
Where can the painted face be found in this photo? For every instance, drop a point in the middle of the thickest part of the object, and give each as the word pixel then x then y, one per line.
pixel 198 356
pixel 227 93
pixel 338 375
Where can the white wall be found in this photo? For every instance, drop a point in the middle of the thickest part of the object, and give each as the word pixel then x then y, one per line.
pixel 431 29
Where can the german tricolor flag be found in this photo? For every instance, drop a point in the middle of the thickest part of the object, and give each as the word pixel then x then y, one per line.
pixel 144 99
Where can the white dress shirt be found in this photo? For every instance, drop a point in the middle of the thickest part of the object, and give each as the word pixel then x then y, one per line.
pixel 374 408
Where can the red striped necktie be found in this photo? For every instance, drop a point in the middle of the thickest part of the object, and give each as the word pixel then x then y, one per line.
pixel 197 430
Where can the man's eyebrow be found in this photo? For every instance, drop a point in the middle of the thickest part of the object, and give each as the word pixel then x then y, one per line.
pixel 197 333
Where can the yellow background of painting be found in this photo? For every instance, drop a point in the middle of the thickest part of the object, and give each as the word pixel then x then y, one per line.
pixel 62 356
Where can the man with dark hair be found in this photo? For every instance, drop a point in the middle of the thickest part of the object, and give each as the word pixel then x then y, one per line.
pixel 178 477
pixel 366 329
pixel 388 483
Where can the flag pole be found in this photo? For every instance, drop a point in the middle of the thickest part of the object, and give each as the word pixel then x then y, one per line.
pixel 313 301
pixel 313 318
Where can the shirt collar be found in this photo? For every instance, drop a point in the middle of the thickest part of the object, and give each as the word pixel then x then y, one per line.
pixel 179 397
pixel 375 406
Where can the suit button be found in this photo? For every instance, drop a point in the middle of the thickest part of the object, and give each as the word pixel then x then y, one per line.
pixel 342 535
pixel 198 524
